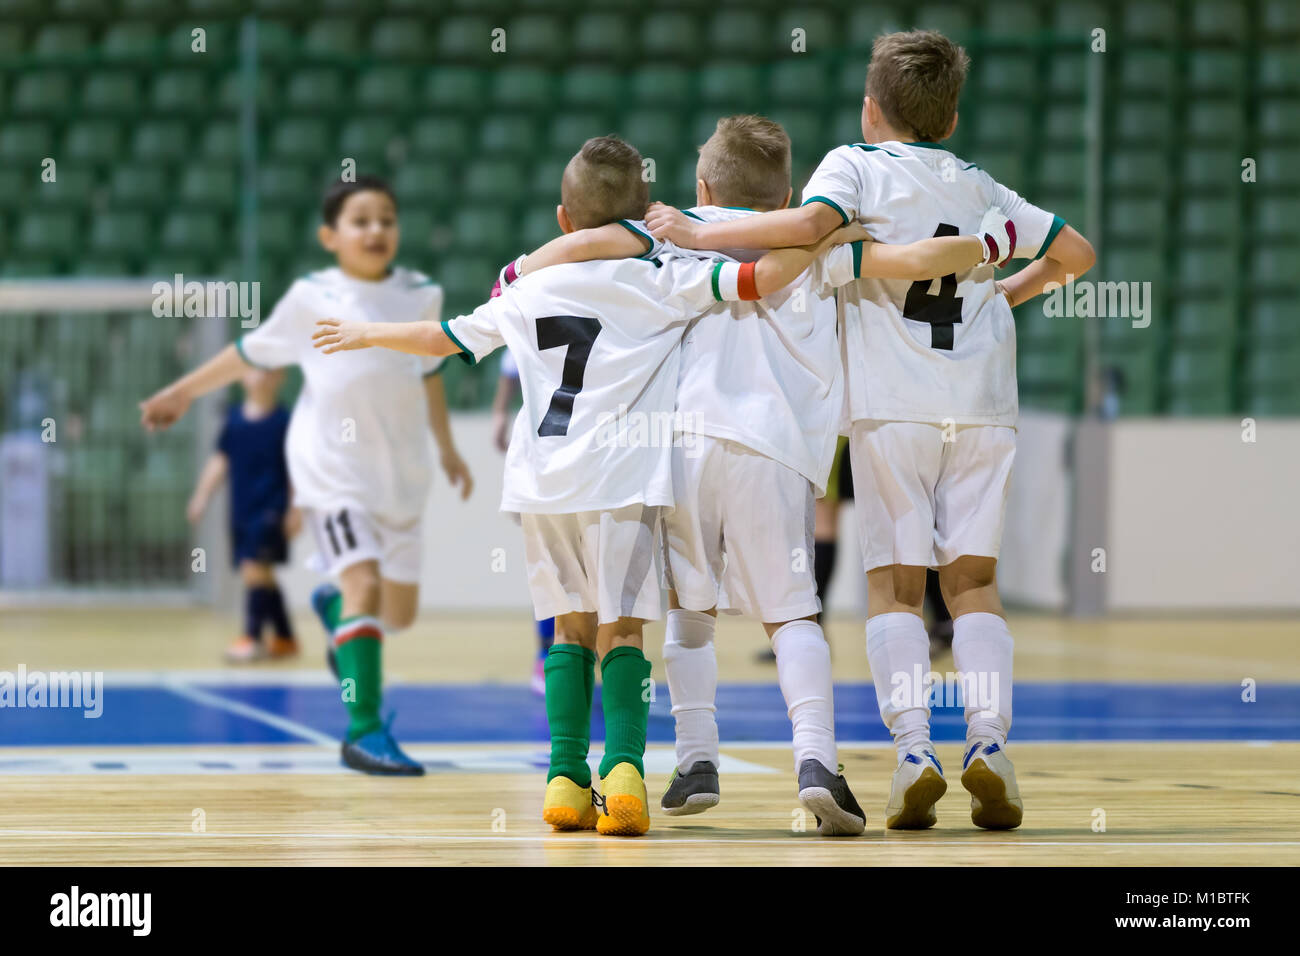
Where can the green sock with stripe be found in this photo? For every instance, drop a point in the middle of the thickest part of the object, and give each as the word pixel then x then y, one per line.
pixel 570 683
pixel 334 610
pixel 358 651
pixel 625 675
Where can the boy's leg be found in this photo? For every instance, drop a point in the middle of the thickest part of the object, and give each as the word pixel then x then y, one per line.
pixel 625 699
pixel 691 665
pixel 570 685
pixel 259 586
pixel 399 603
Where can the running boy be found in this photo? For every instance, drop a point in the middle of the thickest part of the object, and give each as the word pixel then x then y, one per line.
pixel 933 404
pixel 250 450
pixel 357 446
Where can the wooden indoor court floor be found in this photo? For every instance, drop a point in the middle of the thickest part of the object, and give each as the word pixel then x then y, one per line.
pixel 78 792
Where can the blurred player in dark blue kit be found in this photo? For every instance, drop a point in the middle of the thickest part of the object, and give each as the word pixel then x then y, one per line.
pixel 251 451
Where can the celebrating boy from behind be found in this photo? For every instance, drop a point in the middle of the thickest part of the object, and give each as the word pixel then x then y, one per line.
pixel 930 375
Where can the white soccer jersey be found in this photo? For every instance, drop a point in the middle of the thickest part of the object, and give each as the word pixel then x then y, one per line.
pixel 598 346
pixel 359 436
pixel 936 350
pixel 767 376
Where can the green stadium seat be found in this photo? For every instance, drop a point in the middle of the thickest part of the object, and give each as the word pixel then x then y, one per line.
pixel 62 40
pixel 25 139
pixel 1276 167
pixel 194 232
pixel 221 141
pixel 1276 217
pixel 600 35
pixel 316 89
pixel 209 185
pixel 110 91
pixel 1061 169
pixel 1278 70
pixel 537 38
pixel 1211 169
pixel 467 281
pixel 181 91
pixel 1206 325
pixel 92 141
pixel 1079 18
pixel 455 87
pixel 1200 400
pixel 284 183
pixel 161 140
pixel 277 41
pixel 1134 262
pixel 851 80
pixel 732 87
pixel 1151 21
pixel 1064 124
pixel 1216 71
pixel 820 30
pixel 441 137
pixel 28 267
pixel 423 183
pixel 331 38
pixel 737 32
pixel 219 40
pixel 539 227
pixel 74 187
pixel 1218 21
pixel 656 133
pixel 1272 366
pixel 369 141
pixel 1204 272
pixel 13 39
pixel 485 229
pixel 1199 367
pixel 466 38
pixel 1281 19
pixel 493 180
pixel 806 131
pixel 1003 124
pixel 508 135
pixel 1272 322
pixel 1281 401
pixel 671 36
pixel 116 230
pixel 866 23
pixel 846 126
pixel 1137 376
pixel 662 83
pixel 1047 370
pixel 42 93
pixel 1275 267
pixel 1037 332
pixel 1137 171
pixel 545 182
pixel 136 41
pixel 1211 219
pixel 277 234
pixel 1279 121
pixel 569 131
pixel 388 88
pixel 1139 121
pixel 140 184
pixel 301 138
pixel 1007 19
pixel 799 82
pixel 950 19
pixel 266 95
pixel 523 87
pixel 586 87
pixel 216 8
pixel 1147 73
pixel 1007 166
pixel 1069 74
pixel 399 38
pixel 50 233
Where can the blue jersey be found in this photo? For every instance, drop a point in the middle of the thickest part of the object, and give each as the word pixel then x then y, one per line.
pixel 259 475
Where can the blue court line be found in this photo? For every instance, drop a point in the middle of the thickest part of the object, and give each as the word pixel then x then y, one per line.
pixel 491 713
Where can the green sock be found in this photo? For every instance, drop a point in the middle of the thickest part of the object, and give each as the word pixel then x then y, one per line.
pixel 334 610
pixel 358 651
pixel 570 682
pixel 624 674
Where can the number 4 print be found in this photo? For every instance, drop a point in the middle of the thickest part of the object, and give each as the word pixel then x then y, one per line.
pixel 578 333
pixel 942 310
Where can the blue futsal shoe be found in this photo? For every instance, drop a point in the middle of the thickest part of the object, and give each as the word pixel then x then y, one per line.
pixel 378 753
pixel 321 598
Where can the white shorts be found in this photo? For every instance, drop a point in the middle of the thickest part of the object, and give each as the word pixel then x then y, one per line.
pixel 601 561
pixel 741 535
pixel 923 501
pixel 348 536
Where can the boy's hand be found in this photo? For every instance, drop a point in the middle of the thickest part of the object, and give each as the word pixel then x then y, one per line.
pixel 852 232
pixel 292 523
pixel 457 472
pixel 508 274
pixel 335 335
pixel 666 222
pixel 163 408
pixel 998 233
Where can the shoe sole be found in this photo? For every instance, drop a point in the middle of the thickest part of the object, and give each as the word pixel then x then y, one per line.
pixel 991 809
pixel 374 771
pixel 625 815
pixel 917 812
pixel 836 821
pixel 568 818
pixel 695 803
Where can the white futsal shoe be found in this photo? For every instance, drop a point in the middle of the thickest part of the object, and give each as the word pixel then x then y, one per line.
pixel 991 779
pixel 918 785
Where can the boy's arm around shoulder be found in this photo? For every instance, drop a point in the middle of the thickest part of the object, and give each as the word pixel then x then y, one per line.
pixel 1068 257
pixel 780 228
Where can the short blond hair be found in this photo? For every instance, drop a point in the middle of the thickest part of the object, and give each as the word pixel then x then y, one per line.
pixel 603 183
pixel 746 162
pixel 916 79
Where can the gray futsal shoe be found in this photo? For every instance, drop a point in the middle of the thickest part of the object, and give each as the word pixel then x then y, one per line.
pixel 691 792
pixel 828 797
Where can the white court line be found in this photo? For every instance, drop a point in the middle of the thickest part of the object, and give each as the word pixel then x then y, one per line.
pixel 652 841
pixel 253 713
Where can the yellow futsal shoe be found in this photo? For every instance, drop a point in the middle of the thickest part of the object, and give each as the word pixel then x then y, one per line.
pixel 625 806
pixel 568 806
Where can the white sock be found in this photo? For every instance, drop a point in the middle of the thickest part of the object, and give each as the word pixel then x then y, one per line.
pixel 898 651
pixel 692 667
pixel 982 649
pixel 803 669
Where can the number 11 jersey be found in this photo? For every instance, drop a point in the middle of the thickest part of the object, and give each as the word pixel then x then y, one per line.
pixel 938 350
pixel 598 346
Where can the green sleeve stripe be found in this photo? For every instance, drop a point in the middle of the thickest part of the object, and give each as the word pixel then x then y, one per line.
pixel 687 212
pixel 857 258
pixel 465 354
pixel 717 292
pixel 637 232
pixel 830 202
pixel 239 347
pixel 1057 225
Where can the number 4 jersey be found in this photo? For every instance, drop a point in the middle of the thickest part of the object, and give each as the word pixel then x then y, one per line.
pixel 939 350
pixel 598 346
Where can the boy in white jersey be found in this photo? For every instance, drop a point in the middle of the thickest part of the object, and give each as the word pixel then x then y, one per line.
pixel 356 447
pixel 930 376
pixel 759 406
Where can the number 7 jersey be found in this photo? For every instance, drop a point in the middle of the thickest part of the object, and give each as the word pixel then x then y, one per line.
pixel 598 345
pixel 938 350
